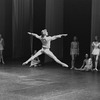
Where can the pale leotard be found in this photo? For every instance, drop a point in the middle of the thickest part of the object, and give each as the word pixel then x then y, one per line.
pixel 46 42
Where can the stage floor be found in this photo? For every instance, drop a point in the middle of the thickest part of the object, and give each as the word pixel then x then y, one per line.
pixel 49 82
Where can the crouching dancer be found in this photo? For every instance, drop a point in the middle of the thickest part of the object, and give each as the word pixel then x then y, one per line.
pixel 46 41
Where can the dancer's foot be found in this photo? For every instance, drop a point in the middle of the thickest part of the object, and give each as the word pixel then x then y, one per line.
pixel 24 63
pixel 64 65
pixel 35 65
pixel 72 67
pixel 77 68
pixel 3 62
pixel 30 66
pixel 95 69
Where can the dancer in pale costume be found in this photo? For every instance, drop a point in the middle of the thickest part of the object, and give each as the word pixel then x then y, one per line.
pixel 1 49
pixel 87 64
pixel 95 51
pixel 74 51
pixel 35 62
pixel 46 41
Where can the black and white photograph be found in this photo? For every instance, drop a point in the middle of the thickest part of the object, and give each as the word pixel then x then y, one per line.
pixel 49 49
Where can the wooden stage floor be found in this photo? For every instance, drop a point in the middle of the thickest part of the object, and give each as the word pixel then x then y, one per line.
pixel 49 82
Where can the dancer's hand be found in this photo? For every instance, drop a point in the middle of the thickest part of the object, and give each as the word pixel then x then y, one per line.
pixel 29 33
pixel 64 34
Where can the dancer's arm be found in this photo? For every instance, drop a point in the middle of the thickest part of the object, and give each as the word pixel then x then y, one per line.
pixel 35 35
pixel 84 63
pixel 92 46
pixel 71 47
pixel 78 48
pixel 58 36
pixel 99 45
pixel 3 42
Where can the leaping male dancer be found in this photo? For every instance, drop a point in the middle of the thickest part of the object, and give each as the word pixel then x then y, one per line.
pixel 46 41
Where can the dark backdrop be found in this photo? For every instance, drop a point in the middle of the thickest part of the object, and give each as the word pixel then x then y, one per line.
pixel 76 18
pixel 95 26
pixel 6 26
pixel 77 21
pixel 17 17
pixel 39 23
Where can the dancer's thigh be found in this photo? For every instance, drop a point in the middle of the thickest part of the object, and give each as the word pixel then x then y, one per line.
pixel 50 54
pixel 37 54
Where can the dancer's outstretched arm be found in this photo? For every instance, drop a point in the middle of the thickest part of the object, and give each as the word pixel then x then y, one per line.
pixel 58 36
pixel 33 34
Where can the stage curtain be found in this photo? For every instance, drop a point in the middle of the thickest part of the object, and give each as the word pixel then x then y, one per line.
pixel 21 19
pixel 95 20
pixel 54 25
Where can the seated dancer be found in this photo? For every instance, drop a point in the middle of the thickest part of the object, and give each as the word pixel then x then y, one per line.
pixel 87 64
pixel 35 62
pixel 46 41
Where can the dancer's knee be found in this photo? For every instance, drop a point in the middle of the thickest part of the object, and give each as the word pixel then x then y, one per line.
pixel 96 59
pixel 73 58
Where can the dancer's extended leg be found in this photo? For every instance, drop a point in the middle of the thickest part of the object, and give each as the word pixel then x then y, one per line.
pixel 50 54
pixel 34 56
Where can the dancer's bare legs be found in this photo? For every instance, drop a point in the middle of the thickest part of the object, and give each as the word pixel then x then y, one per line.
pixel 96 63
pixel 47 52
pixel 34 56
pixel 72 62
pixel 1 57
pixel 50 54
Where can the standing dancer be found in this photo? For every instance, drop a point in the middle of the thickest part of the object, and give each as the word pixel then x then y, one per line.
pixel 95 52
pixel 46 41
pixel 74 51
pixel 1 49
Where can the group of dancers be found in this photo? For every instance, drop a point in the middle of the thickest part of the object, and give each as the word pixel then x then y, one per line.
pixel 89 63
pixel 74 52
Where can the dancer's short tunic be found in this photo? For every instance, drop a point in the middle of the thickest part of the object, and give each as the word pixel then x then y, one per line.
pixel 74 49
pixel 1 45
pixel 96 50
